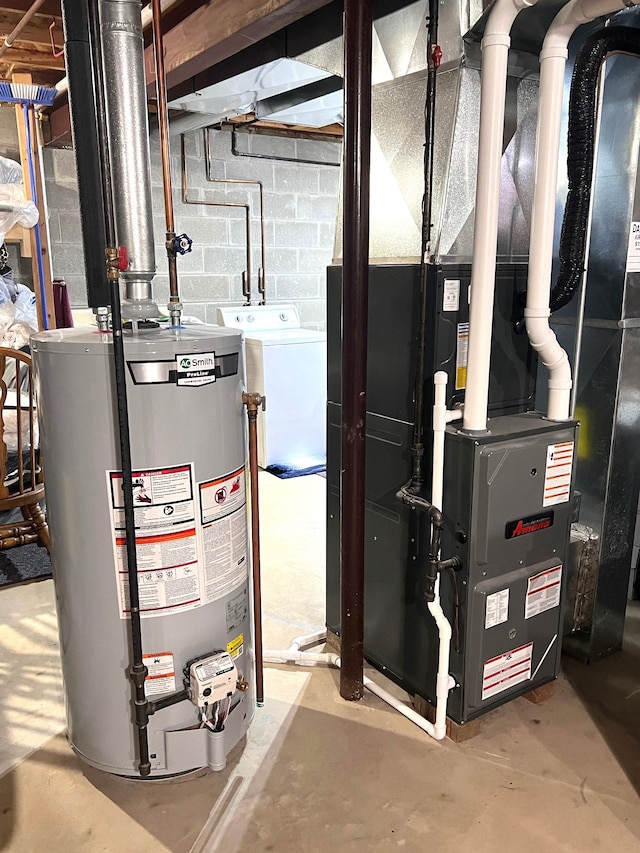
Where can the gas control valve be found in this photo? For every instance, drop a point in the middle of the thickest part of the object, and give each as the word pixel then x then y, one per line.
pixel 211 678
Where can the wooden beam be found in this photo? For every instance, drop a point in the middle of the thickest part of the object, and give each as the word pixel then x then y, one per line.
pixel 59 132
pixel 33 58
pixel 49 7
pixel 218 30
pixel 42 207
pixel 35 32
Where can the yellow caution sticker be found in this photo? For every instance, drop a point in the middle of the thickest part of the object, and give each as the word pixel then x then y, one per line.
pixel 236 647
pixel 462 354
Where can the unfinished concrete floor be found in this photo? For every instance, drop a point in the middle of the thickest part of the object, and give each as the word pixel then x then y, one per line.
pixel 317 773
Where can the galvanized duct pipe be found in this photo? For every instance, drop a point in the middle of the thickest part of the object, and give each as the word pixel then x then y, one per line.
pixel 123 60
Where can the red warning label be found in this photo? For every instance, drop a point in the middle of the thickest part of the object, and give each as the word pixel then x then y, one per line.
pixel 506 670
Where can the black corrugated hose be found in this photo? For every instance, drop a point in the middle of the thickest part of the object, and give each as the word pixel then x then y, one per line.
pixel 580 154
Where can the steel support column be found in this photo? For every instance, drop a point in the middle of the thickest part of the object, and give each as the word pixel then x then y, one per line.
pixel 357 143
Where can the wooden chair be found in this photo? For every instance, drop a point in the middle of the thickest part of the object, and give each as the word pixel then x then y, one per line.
pixel 21 482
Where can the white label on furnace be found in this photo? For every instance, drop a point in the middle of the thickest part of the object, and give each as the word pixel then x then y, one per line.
pixel 462 355
pixel 451 295
pixel 557 475
pixel 224 534
pixel 162 676
pixel 543 592
pixel 506 670
pixel 497 610
pixel 633 251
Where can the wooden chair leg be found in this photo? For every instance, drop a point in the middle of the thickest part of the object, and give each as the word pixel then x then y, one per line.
pixel 39 523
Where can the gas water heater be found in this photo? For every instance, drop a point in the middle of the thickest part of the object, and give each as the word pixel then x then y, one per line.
pixel 184 391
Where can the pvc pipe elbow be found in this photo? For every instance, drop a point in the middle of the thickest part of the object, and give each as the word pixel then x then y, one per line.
pixel 502 16
pixel 442 623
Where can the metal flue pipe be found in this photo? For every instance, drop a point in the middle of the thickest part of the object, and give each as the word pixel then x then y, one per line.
pixel 355 285
pixel 123 58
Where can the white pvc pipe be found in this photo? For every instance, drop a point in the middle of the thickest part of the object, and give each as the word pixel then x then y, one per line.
pixel 303 658
pixel 294 655
pixel 439 426
pixel 553 59
pixel 444 682
pixel 308 640
pixel 403 709
pixel 495 54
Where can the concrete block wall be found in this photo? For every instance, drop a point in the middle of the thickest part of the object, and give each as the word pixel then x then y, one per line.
pixel 301 202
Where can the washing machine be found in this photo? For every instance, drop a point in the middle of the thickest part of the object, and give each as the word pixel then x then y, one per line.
pixel 288 365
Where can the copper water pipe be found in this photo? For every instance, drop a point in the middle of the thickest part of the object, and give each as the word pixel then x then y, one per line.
pixel 22 23
pixel 253 402
pixel 246 276
pixel 262 272
pixel 163 122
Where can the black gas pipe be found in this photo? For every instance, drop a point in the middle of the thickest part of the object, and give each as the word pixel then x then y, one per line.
pixel 433 61
pixel 436 519
pixel 137 670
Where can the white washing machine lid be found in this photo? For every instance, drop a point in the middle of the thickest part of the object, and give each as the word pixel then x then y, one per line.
pixel 283 338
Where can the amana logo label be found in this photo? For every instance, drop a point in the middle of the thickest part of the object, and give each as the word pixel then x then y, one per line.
pixel 531 524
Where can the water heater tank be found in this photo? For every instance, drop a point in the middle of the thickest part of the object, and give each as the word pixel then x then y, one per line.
pixel 188 453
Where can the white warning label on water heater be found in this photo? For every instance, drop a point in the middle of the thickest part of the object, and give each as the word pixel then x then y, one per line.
pixel 543 592
pixel 162 676
pixel 224 534
pixel 497 610
pixel 506 671
pixel 167 540
pixel 557 475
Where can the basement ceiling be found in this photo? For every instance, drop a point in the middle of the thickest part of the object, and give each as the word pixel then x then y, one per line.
pixel 31 52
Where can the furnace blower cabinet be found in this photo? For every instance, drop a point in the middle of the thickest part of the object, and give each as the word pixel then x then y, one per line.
pixel 508 509
pixel 507 498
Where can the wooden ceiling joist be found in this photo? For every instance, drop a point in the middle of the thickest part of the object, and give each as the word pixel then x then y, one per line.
pixel 36 32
